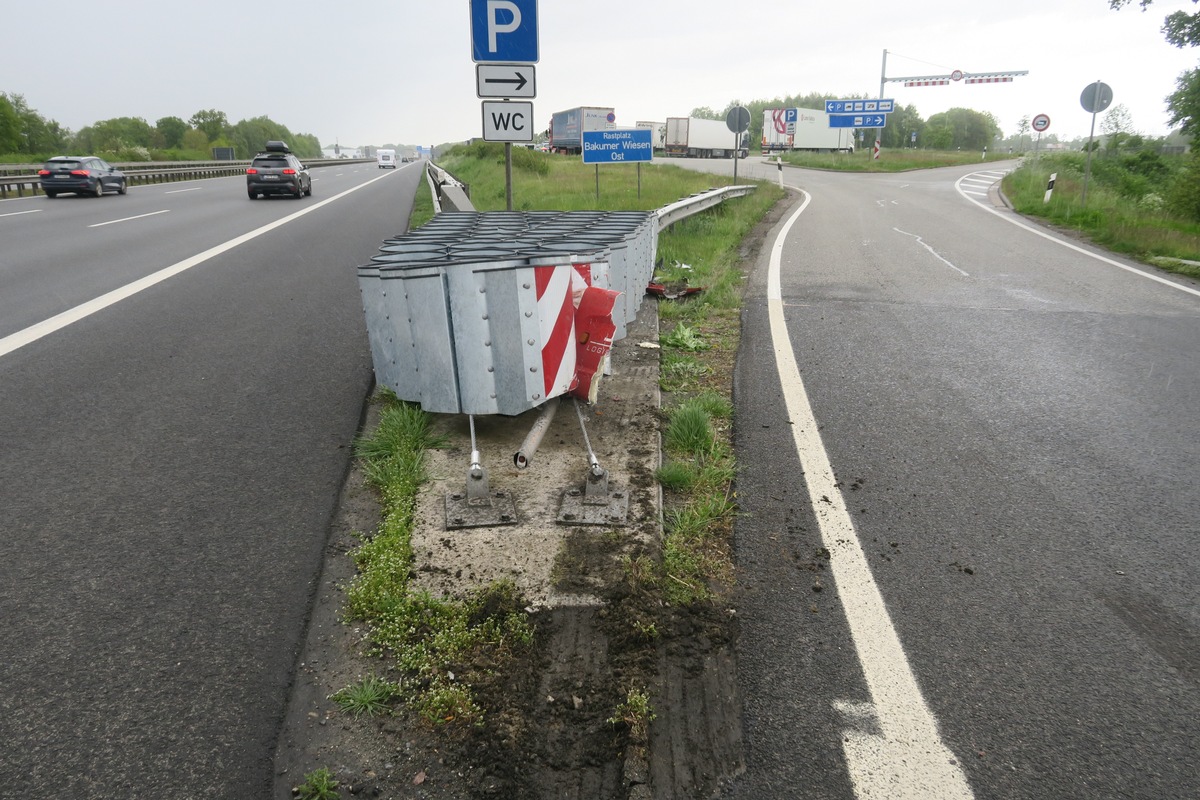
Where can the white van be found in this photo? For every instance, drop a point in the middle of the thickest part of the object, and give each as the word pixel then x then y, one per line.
pixel 386 159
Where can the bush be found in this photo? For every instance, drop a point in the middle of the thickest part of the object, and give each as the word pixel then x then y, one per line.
pixel 1183 195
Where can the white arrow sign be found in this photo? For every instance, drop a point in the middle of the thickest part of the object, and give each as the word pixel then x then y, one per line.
pixel 505 80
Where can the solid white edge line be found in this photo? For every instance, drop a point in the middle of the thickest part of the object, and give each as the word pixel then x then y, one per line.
pixel 1011 218
pixel 16 341
pixel 18 213
pixel 893 748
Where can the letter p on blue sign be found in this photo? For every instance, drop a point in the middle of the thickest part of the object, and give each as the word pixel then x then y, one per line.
pixel 504 30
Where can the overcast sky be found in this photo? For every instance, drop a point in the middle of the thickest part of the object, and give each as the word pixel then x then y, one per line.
pixel 400 71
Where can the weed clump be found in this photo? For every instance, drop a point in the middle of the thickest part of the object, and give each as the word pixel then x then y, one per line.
pixel 433 643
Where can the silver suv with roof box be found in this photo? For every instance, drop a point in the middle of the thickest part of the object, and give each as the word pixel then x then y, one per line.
pixel 277 171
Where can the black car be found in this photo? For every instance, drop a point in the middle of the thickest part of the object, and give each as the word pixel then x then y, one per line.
pixel 277 171
pixel 81 175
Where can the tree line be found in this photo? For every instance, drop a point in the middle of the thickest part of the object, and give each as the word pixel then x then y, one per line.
pixel 25 135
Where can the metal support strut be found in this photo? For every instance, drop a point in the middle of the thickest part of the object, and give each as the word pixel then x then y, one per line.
pixel 478 506
pixel 597 503
pixel 534 438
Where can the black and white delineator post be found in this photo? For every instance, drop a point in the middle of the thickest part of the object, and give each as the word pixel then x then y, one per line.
pixel 1049 187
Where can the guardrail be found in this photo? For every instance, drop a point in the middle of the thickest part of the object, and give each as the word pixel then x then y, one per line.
pixel 26 181
pixel 452 195
pixel 449 193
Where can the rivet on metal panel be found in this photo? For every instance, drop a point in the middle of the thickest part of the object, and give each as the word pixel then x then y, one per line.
pixel 485 316
pixel 533 369
pixel 491 369
pixel 530 342
pixel 482 290
pixel 535 396
pixel 487 343
pixel 529 313
pixel 525 286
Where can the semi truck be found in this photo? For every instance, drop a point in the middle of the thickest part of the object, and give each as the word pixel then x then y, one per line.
pixel 567 127
pixel 803 129
pixel 658 133
pixel 693 137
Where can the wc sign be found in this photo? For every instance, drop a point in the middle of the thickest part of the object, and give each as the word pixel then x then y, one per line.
pixel 505 31
pixel 507 122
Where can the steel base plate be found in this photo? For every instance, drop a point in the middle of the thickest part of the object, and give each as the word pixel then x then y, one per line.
pixel 575 511
pixel 501 509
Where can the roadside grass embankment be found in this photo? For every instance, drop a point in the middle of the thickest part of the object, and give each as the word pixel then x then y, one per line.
pixel 891 160
pixel 1136 205
pixel 440 657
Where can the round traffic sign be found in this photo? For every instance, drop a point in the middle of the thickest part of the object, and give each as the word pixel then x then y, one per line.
pixel 611 117
pixel 1041 123
pixel 1096 97
pixel 738 119
pixel 957 75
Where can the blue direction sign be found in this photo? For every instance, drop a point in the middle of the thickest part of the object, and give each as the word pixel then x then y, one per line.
pixel 617 146
pixel 860 106
pixel 504 30
pixel 857 120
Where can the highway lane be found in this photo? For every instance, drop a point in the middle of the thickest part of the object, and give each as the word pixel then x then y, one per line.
pixel 1012 431
pixel 54 250
pixel 169 467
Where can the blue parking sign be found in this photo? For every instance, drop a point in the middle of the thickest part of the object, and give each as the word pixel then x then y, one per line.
pixel 504 31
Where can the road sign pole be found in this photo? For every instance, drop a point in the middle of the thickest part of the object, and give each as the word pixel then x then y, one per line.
pixel 508 175
pixel 1094 104
pixel 736 147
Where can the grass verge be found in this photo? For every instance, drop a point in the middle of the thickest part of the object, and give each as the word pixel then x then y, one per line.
pixel 1120 213
pixel 890 160
pixel 436 647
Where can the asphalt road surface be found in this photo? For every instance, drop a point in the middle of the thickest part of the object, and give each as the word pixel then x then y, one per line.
pixel 181 376
pixel 968 477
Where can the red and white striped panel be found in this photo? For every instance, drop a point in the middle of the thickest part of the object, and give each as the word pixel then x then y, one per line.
pixel 988 80
pixel 926 83
pixel 556 327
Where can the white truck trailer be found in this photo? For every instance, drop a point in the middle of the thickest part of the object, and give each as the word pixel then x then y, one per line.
pixel 803 129
pixel 658 133
pixel 692 137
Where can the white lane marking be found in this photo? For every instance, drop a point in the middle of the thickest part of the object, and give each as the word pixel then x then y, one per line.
pixel 892 745
pixel 181 191
pixel 1011 218
pixel 16 341
pixel 17 213
pixel 127 219
pixel 931 250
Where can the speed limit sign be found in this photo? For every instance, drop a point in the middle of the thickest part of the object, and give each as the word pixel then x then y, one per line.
pixel 1041 123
